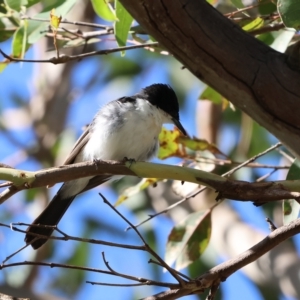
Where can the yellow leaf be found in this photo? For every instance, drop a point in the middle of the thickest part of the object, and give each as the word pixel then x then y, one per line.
pixel 169 145
pixel 196 144
pixel 255 24
pixel 174 143
pixel 54 20
pixel 133 190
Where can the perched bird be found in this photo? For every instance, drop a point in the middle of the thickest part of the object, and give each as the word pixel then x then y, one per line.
pixel 126 127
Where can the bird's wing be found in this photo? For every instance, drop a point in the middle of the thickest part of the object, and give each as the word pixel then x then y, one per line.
pixel 80 143
pixel 95 181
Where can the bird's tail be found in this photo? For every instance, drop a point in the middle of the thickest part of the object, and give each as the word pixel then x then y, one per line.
pixel 50 216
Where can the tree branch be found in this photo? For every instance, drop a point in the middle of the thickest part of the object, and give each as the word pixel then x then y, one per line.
pixel 258 192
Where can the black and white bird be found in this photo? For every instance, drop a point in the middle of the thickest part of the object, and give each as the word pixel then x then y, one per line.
pixel 127 127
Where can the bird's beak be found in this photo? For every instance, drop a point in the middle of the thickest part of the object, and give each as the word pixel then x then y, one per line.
pixel 179 126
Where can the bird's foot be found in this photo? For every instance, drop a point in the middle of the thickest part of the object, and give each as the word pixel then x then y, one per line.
pixel 96 161
pixel 130 160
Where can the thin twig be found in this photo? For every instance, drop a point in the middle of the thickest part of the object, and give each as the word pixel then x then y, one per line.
pixel 149 249
pixel 272 226
pixel 66 58
pixel 141 280
pixel 13 254
pixel 65 21
pixel 286 155
pixel 118 284
pixel 268 28
pixel 89 34
pixel 253 158
pixel 5 184
pixel 264 17
pixel 179 273
pixel 75 33
pixel 191 195
pixel 69 237
pixel 222 162
pixel 6 194
pixel 53 265
pixel 262 178
pixel 240 10
pixel 213 291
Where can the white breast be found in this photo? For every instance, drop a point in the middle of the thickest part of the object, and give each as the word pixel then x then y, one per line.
pixel 126 130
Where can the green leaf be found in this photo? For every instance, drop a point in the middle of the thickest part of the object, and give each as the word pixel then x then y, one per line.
pixel 31 2
pixel 13 4
pixel 188 240
pixel 266 7
pixel 291 207
pixel 36 30
pixel 6 31
pixel 3 8
pixel 122 25
pixel 196 144
pixel 254 24
pixel 266 38
pixel 104 10
pixel 121 66
pixel 19 43
pixel 238 3
pixel 62 7
pixel 133 190
pixel 289 11
pixel 31 194
pixel 210 94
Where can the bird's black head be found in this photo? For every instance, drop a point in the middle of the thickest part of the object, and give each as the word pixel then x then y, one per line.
pixel 163 97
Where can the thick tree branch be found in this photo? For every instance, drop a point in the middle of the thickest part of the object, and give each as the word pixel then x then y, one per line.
pixel 254 77
pixel 257 192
